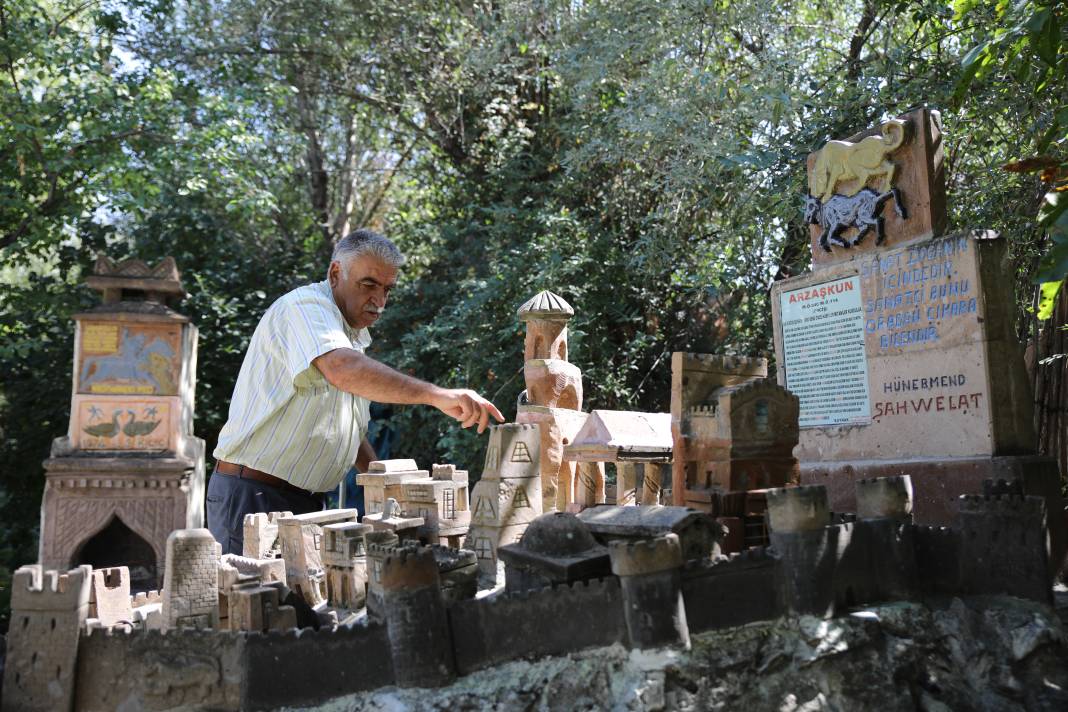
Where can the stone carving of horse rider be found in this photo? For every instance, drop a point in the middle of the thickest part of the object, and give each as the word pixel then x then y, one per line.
pixel 842 212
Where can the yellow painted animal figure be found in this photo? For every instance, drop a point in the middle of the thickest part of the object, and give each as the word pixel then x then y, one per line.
pixel 842 161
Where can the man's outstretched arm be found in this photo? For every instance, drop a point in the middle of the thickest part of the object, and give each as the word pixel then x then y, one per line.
pixel 353 372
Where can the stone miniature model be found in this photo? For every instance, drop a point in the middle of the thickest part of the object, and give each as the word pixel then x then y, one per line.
pixel 134 378
pixel 904 354
pixel 237 571
pixel 345 560
pixel 258 607
pixel 627 439
pixel 384 480
pixel 48 611
pixel 420 633
pixel 734 432
pixel 553 396
pixel 299 536
pixel 191 582
pixel 442 503
pixel 652 591
pixel 109 597
pixel 377 544
pixel 698 533
pixel 508 497
pixel 557 548
pixel 260 540
pixel 419 638
pixel 393 519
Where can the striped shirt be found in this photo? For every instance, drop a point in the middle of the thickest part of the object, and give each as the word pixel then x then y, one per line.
pixel 285 418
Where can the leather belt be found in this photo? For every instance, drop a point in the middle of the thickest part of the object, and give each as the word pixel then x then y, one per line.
pixel 242 472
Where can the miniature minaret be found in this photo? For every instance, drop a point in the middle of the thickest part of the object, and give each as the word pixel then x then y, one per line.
pixel 553 395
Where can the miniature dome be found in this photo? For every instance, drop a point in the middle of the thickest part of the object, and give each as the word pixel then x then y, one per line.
pixel 558 534
pixel 546 305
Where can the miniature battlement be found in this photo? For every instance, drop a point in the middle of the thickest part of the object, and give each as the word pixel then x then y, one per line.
pixel 448 473
pixel 112 578
pixel 145 598
pixel 704 411
pixel 794 509
pixel 1001 486
pixel 757 386
pixel 263 519
pixel 646 556
pixel 379 542
pixel 35 589
pixel 721 363
pixel 884 497
pixel 407 567
pixel 1002 505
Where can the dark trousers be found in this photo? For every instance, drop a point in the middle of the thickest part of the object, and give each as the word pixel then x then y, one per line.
pixel 231 498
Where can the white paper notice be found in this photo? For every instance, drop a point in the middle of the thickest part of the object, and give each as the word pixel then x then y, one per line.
pixel 823 346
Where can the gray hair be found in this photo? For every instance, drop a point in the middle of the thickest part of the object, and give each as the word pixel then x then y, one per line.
pixel 366 242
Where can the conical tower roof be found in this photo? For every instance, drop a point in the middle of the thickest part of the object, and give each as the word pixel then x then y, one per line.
pixel 546 305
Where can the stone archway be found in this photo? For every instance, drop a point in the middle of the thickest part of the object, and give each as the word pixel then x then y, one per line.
pixel 116 544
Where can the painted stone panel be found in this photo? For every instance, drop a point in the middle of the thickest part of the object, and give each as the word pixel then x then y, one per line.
pixel 128 358
pixel 102 423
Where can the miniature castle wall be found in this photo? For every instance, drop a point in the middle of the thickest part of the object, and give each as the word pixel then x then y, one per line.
pixel 815 566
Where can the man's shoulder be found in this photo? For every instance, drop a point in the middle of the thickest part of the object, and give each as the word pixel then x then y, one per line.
pixel 315 296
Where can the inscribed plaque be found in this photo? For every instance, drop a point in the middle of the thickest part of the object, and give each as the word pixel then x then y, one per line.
pixel 824 353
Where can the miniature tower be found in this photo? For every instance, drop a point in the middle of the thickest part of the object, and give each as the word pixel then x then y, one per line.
pixel 883 541
pixel 798 517
pixel 129 471
pixel 553 396
pixel 47 614
pixel 109 597
pixel 649 574
pixel 419 639
pixel 191 583
pixel 1005 546
pixel 508 497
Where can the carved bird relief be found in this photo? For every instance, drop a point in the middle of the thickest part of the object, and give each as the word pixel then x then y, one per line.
pixel 104 430
pixel 136 428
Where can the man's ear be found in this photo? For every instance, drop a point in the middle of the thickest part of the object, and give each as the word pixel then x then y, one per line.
pixel 334 274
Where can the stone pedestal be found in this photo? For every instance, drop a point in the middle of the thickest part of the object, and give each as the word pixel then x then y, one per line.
pixel 129 470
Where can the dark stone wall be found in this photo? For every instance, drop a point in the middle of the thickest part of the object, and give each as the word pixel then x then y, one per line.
pixel 551 621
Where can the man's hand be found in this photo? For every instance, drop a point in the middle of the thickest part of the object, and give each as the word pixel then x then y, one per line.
pixel 467 407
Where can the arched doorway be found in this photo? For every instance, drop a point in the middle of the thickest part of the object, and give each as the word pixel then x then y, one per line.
pixel 118 545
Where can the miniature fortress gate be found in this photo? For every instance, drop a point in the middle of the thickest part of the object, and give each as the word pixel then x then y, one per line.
pixel 129 471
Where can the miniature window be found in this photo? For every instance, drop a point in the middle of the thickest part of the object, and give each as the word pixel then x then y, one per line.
pixel 449 504
pixel 483 548
pixel 762 416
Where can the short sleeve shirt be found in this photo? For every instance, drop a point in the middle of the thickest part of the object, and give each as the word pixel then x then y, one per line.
pixel 285 418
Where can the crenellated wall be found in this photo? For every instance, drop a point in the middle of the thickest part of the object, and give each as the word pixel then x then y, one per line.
pixel 656 597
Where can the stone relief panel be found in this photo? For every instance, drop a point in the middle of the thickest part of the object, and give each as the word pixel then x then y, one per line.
pixel 126 358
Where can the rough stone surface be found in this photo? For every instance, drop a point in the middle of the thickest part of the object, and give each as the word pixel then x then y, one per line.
pixel 994 653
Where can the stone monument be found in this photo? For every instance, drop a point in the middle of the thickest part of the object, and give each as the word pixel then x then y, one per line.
pixel 901 344
pixel 553 397
pixel 129 471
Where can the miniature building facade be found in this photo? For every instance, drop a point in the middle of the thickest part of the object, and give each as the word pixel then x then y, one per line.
pixel 129 471
pixel 508 497
pixel 442 503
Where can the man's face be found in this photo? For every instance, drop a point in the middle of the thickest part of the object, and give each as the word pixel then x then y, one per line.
pixel 361 291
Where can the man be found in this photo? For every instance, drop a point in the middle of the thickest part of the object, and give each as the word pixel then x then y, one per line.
pixel 299 412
